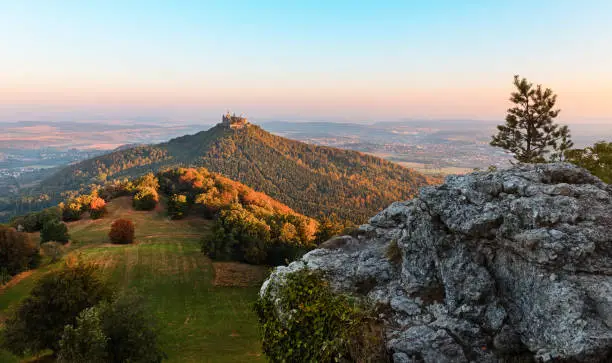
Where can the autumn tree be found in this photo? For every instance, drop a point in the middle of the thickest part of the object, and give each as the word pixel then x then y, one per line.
pixel 97 208
pixel 71 210
pixel 145 199
pixel 597 159
pixel 17 251
pixel 122 231
pixel 177 206
pixel 329 226
pixel 530 132
pixel 148 180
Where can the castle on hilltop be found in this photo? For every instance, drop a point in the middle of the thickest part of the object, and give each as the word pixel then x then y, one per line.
pixel 233 121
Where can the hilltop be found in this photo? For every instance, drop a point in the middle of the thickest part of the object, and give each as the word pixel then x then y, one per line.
pixel 310 179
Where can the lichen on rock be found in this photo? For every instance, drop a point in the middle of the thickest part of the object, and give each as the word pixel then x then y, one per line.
pixel 495 266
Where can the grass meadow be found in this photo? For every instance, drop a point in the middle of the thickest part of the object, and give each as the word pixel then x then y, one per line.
pixel 201 321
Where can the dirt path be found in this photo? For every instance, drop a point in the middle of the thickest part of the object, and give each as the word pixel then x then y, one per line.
pixel 164 235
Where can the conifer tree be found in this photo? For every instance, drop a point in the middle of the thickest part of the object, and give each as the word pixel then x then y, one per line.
pixel 530 132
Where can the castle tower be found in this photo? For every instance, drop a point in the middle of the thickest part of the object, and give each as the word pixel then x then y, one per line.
pixel 233 121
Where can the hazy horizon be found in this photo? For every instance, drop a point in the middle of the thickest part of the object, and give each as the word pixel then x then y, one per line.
pixel 340 61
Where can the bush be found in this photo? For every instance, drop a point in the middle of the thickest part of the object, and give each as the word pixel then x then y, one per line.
pixel 97 208
pixel 145 199
pixel 177 206
pixel 120 331
pixel 33 222
pixel 54 231
pixel 53 250
pixel 55 301
pixel 17 251
pixel 122 231
pixel 322 326
pixel 393 252
pixel 71 211
pixel 283 254
pixel 115 189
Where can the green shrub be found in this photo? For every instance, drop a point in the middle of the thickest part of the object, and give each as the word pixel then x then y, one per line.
pixel 146 198
pixel 121 331
pixel 54 231
pixel 278 254
pixel 55 301
pixel 317 325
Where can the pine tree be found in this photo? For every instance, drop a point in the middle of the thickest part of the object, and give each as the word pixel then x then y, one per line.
pixel 530 132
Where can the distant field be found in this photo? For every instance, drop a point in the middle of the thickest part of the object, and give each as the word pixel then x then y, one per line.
pixel 201 322
pixel 426 169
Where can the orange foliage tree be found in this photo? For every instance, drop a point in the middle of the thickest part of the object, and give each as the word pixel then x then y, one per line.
pixel 122 231
pixel 97 208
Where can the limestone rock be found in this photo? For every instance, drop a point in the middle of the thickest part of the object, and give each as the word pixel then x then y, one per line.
pixel 495 266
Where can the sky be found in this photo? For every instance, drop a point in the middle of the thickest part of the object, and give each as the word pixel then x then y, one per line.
pixel 358 61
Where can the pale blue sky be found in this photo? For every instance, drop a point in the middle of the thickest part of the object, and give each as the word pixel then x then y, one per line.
pixel 357 60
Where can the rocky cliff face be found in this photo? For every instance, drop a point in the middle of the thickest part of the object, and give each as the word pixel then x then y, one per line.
pixel 513 265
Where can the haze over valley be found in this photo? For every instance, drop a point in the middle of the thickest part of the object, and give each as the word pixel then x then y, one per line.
pixel 305 181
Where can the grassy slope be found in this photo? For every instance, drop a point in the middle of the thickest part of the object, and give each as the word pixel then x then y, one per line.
pixel 201 322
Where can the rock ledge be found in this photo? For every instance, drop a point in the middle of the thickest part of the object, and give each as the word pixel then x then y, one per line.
pixel 495 266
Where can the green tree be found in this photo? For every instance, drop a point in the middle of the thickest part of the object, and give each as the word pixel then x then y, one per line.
pixel 54 231
pixel 84 342
pixel 121 331
pixel 530 132
pixel 55 301
pixel 132 332
pixel 597 159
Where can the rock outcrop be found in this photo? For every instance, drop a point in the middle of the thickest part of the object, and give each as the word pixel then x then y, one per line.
pixel 506 266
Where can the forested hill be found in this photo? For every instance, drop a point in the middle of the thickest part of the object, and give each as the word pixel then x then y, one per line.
pixel 310 179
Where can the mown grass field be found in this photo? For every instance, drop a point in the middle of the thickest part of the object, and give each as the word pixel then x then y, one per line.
pixel 200 322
